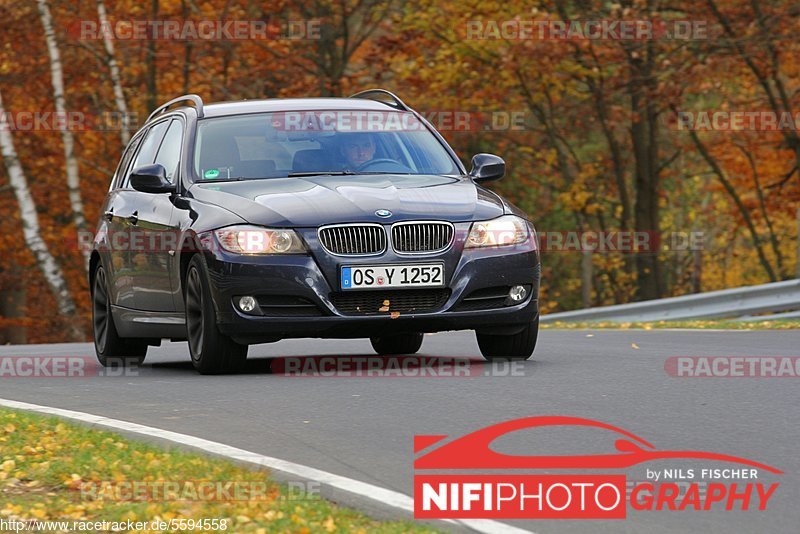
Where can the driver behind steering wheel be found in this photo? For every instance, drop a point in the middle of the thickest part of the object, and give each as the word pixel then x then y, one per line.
pixel 357 150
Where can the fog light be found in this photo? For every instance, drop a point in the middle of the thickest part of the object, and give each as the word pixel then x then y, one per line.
pixel 247 304
pixel 518 293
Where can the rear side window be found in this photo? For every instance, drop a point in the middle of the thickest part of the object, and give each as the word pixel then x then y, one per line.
pixel 147 152
pixel 122 170
pixel 169 155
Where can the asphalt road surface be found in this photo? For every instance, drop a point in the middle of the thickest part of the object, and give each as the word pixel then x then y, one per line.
pixel 363 427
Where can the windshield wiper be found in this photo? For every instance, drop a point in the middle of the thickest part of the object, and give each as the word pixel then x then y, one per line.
pixel 223 179
pixel 339 173
pixel 321 173
pixel 380 172
pixel 236 179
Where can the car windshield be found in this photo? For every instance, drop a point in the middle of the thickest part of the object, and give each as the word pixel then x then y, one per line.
pixel 286 144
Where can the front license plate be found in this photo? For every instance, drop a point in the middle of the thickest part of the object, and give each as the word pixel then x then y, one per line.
pixel 393 276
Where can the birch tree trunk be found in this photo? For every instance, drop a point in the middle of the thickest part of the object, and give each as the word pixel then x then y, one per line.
pixel 57 77
pixel 30 221
pixel 119 96
pixel 152 69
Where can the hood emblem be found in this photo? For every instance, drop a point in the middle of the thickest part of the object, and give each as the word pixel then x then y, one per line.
pixel 383 213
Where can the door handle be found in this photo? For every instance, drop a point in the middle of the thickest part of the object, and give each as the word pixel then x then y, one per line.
pixel 133 218
pixel 109 215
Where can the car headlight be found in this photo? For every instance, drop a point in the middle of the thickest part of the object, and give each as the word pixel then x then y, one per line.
pixel 505 230
pixel 256 240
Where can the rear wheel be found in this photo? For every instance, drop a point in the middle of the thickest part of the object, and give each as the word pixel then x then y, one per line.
pixel 397 344
pixel 212 352
pixel 514 347
pixel 111 349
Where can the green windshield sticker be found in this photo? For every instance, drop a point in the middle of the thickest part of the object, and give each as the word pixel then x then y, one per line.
pixel 211 173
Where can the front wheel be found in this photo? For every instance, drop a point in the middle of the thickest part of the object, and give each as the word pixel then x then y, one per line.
pixel 397 344
pixel 212 352
pixel 111 350
pixel 514 347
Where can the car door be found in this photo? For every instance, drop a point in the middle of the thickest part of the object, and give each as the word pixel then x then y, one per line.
pixel 117 260
pixel 132 203
pixel 155 283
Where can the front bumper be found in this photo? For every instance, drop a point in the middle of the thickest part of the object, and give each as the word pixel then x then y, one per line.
pixel 315 278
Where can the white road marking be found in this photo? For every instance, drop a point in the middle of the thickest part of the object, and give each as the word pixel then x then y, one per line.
pixel 362 489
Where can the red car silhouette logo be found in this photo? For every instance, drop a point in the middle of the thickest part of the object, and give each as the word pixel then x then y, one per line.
pixel 473 451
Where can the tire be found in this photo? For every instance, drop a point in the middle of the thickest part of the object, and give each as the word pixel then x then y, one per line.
pixel 111 349
pixel 397 344
pixel 212 352
pixel 518 346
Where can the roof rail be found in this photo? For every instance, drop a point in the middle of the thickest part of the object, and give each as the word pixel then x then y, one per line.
pixel 380 95
pixel 198 104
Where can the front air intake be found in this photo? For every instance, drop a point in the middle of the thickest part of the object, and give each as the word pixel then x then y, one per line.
pixel 353 239
pixel 421 237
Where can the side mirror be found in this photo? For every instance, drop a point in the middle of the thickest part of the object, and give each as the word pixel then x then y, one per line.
pixel 151 179
pixel 487 167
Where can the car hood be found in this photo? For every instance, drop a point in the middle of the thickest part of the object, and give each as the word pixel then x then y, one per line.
pixel 318 200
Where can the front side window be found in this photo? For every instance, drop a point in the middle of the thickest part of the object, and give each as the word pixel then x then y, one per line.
pixel 149 147
pixel 124 163
pixel 286 144
pixel 169 154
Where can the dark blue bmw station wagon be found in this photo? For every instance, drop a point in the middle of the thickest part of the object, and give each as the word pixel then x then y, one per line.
pixel 238 223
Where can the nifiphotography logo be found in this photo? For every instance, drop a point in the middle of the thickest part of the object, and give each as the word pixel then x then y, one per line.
pixel 504 493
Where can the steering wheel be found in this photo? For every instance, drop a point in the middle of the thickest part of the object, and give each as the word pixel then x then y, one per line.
pixel 383 161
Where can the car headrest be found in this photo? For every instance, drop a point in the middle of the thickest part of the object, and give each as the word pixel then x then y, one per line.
pixel 219 152
pixel 311 160
pixel 256 168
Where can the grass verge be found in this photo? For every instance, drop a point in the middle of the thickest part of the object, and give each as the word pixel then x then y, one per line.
pixel 787 324
pixel 55 470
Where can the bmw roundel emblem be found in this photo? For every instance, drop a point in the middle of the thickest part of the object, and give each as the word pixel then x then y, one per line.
pixel 383 213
